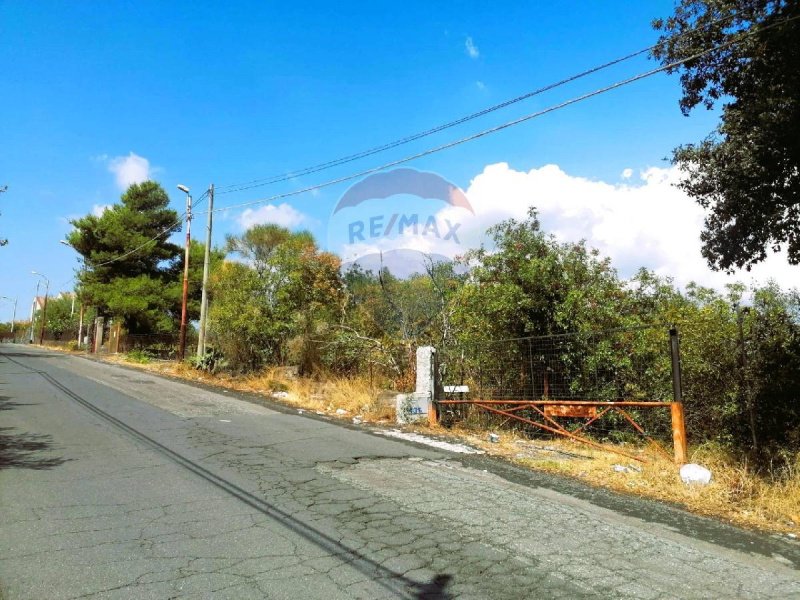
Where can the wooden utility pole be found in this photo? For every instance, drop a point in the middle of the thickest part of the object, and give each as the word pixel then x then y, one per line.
pixel 44 313
pixel 33 311
pixel 201 339
pixel 182 347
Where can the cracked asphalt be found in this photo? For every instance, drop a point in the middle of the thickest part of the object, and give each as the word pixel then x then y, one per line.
pixel 120 484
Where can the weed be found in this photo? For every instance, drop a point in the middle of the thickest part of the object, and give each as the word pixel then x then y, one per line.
pixel 138 356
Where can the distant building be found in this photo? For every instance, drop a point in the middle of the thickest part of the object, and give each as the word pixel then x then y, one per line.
pixel 38 301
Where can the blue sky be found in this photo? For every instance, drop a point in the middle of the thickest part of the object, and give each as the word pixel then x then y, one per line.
pixel 200 92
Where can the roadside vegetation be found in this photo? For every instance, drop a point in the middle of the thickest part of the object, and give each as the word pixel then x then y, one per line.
pixel 287 322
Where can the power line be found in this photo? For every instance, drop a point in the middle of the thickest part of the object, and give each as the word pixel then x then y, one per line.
pixel 466 139
pixel 497 128
pixel 508 124
pixel 238 187
pixel 388 146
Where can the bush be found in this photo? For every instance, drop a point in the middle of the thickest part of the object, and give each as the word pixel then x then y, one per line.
pixel 212 360
pixel 138 356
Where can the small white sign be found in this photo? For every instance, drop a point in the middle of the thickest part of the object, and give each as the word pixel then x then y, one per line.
pixel 456 389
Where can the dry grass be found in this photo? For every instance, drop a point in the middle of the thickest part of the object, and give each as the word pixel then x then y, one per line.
pixel 736 493
pixel 328 395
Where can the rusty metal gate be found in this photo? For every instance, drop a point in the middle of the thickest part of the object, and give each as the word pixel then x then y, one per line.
pixel 590 387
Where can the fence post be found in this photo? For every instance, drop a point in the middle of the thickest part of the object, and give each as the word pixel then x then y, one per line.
pixel 678 423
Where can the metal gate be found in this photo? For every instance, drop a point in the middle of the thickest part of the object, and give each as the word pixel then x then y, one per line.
pixel 589 387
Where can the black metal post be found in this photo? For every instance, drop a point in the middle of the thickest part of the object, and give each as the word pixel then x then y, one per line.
pixel 675 353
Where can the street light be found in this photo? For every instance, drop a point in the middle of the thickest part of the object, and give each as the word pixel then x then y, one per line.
pixel 44 308
pixel 182 347
pixel 14 314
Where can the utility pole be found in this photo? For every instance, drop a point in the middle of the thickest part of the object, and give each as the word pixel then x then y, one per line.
pixel 44 308
pixel 201 339
pixel 44 314
pixel 33 310
pixel 182 347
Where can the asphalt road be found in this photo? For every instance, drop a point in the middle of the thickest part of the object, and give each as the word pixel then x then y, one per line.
pixel 120 484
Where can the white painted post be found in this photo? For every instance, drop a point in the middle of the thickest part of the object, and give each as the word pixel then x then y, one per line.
pixel 419 405
pixel 425 370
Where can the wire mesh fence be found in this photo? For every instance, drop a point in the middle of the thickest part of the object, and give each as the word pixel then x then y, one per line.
pixel 613 385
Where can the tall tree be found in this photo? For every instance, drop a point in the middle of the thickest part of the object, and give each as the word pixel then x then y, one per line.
pixel 287 289
pixel 130 265
pixel 747 172
pixel 529 284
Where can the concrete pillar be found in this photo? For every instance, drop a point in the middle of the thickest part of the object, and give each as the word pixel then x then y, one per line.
pixel 419 405
pixel 98 333
pixel 425 373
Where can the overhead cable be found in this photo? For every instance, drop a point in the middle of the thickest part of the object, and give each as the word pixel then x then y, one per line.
pixel 238 187
pixel 501 127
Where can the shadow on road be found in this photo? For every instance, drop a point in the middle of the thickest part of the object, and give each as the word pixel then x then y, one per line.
pixel 436 589
pixel 26 450
pixel 7 403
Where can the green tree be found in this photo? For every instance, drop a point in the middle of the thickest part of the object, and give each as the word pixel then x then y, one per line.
pixel 529 284
pixel 747 172
pixel 61 318
pixel 770 399
pixel 5 329
pixel 287 290
pixel 130 265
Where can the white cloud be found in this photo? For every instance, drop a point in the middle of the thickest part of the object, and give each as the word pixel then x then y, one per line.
pixel 648 222
pixel 284 215
pixel 99 209
pixel 627 173
pixel 471 48
pixel 130 169
pixel 480 85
